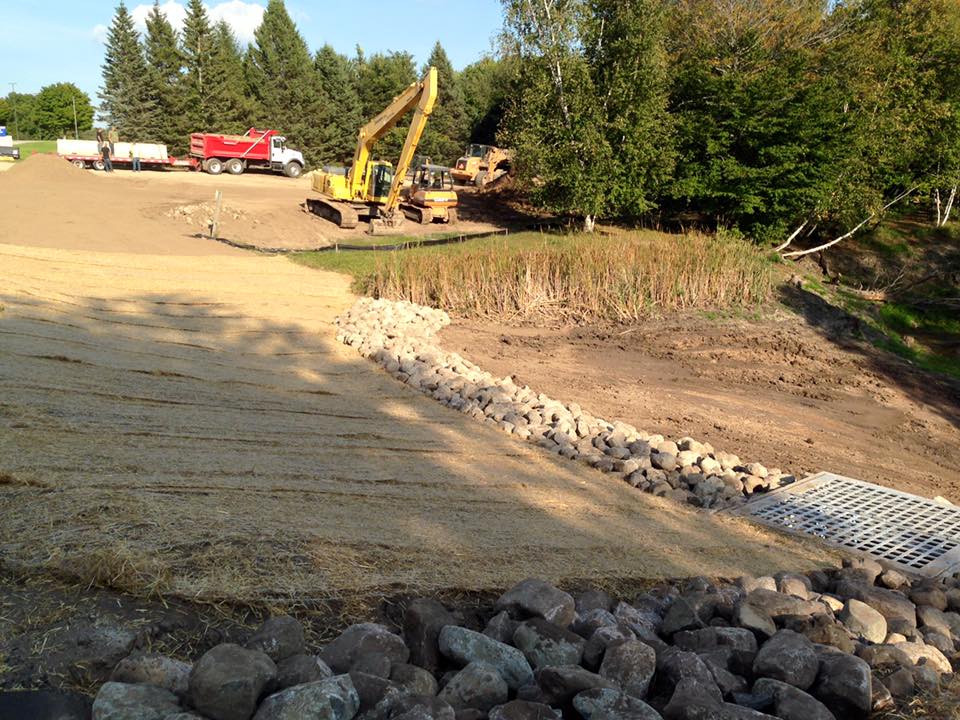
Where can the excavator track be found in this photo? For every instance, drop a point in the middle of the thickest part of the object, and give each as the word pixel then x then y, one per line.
pixel 422 215
pixel 340 214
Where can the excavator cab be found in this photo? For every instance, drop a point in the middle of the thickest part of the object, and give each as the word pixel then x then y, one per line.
pixel 380 178
pixel 431 196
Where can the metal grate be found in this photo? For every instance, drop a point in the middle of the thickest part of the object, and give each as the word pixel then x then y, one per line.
pixel 906 531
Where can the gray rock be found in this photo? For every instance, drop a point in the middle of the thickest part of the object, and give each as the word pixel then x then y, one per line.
pixel 788 657
pixel 330 699
pixel 900 684
pixel 523 710
pixel 777 605
pixel 754 619
pixel 603 639
pixel 631 665
pixel 46 704
pixel 930 618
pixel 122 701
pixel 586 624
pixel 372 690
pixel 930 595
pixel 153 669
pixel 881 699
pixel 797 585
pixel 863 621
pixel 537 598
pixel 940 641
pixel 422 622
pixel 885 656
pixel 664 461
pixel 790 703
pixel 374 663
pixel 466 646
pixel 844 685
pixel 674 665
pixel 501 627
pixel 694 699
pixel 226 682
pixel 822 630
pixel 363 639
pixel 593 600
pixel 607 704
pixel 714 637
pixel 300 669
pixel 893 580
pixel 689 612
pixel 420 707
pixel 544 643
pixel 889 603
pixel 927 654
pixel 278 638
pixel 926 679
pixel 731 711
pixel 749 584
pixel 558 685
pixel 478 685
pixel 413 679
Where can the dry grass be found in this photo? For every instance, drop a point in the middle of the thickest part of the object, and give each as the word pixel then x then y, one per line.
pixel 931 705
pixel 612 278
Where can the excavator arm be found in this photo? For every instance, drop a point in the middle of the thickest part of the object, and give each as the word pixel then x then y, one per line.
pixel 419 97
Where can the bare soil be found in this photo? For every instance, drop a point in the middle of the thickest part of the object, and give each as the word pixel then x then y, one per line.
pixel 796 390
pixel 173 208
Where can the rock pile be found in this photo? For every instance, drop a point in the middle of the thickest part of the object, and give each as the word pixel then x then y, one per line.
pixel 400 336
pixel 832 644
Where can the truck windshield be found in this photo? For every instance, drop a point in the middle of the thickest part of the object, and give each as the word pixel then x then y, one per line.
pixel 477 150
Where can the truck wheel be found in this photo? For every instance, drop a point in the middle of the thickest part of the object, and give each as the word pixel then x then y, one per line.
pixel 293 169
pixel 98 165
pixel 481 179
pixel 80 164
pixel 213 166
pixel 234 166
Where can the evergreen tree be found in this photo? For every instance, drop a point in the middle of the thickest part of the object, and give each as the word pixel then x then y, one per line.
pixel 230 108
pixel 287 88
pixel 197 48
pixel 165 64
pixel 446 133
pixel 486 86
pixel 338 78
pixel 126 98
pixel 57 107
pixel 380 79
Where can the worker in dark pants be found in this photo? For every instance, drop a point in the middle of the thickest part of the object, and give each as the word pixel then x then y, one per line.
pixel 105 154
pixel 135 157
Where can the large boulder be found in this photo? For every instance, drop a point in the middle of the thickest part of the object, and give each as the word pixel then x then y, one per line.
pixel 891 604
pixel 790 703
pixel 693 699
pixel 590 621
pixel 330 699
pixel 478 686
pixel 422 622
pixel 779 605
pixel 544 643
pixel 226 682
pixel 363 639
pixel 844 685
pixel 927 654
pixel 415 680
pixel 536 598
pixel 122 701
pixel 788 657
pixel 603 639
pixel 466 646
pixel 713 637
pixel 153 669
pixel 631 665
pixel 689 612
pixel 278 638
pixel 863 621
pixel 755 619
pixel 300 669
pixel 523 710
pixel 420 707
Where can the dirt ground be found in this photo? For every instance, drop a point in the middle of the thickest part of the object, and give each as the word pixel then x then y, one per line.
pixel 102 211
pixel 187 424
pixel 794 391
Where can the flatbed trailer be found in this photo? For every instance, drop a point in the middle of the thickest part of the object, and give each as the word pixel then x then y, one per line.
pixel 85 154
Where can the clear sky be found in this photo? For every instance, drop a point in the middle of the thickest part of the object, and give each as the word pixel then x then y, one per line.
pixel 62 40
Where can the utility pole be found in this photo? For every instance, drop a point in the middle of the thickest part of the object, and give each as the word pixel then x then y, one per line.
pixel 76 132
pixel 16 125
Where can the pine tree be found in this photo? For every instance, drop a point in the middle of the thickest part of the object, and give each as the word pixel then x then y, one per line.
pixel 165 65
pixel 338 77
pixel 231 110
pixel 197 43
pixel 381 78
pixel 126 98
pixel 446 133
pixel 285 84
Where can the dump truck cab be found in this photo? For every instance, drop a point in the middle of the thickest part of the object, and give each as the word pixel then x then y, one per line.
pixel 282 158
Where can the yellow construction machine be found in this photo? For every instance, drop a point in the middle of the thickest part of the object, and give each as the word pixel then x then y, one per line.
pixel 481 164
pixel 431 196
pixel 371 188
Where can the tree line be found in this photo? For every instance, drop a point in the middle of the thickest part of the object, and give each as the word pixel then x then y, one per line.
pixel 783 119
pixel 58 110
pixel 167 84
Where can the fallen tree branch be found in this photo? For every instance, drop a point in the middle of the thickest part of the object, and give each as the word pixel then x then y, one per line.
pixel 791 238
pixel 818 248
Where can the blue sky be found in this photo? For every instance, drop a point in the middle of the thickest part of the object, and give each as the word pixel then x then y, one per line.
pixel 61 40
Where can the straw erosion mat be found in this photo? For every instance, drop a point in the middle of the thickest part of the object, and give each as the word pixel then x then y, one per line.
pixel 190 426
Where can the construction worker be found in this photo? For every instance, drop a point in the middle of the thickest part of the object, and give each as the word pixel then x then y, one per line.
pixel 114 137
pixel 104 152
pixel 135 157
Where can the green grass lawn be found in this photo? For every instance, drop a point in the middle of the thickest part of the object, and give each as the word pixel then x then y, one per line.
pixel 36 146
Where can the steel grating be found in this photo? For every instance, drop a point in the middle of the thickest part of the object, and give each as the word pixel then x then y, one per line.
pixel 902 530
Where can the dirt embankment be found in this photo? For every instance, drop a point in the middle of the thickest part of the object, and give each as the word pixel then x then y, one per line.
pixel 794 393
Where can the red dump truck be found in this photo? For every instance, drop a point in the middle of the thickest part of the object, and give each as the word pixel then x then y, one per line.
pixel 264 149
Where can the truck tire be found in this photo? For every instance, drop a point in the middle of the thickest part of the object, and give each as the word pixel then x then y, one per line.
pixel 80 164
pixel 214 166
pixel 481 179
pixel 293 169
pixel 234 166
pixel 98 165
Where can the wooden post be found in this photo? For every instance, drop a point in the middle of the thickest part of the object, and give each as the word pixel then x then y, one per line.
pixel 216 216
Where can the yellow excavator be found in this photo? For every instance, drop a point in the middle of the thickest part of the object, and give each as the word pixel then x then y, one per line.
pixel 372 188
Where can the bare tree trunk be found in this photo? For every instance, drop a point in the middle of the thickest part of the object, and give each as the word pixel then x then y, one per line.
pixel 936 204
pixel 790 239
pixel 818 248
pixel 588 223
pixel 946 212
